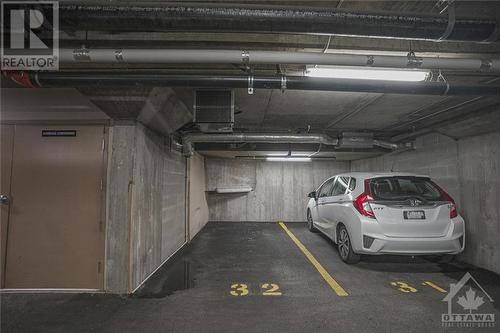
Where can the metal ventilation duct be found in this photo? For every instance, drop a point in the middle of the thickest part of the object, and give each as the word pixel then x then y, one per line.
pixel 214 110
pixel 193 138
pixel 349 140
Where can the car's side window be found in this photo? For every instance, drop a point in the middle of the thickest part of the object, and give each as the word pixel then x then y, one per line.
pixel 325 190
pixel 352 184
pixel 340 186
pixel 335 189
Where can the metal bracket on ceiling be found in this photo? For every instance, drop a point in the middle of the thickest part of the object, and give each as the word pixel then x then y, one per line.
pixel 283 83
pixel 250 84
pixel 486 65
pixel 245 59
pixel 119 55
pixel 81 54
pixel 450 8
pixel 413 60
pixel 441 78
pixel 174 143
pixel 370 60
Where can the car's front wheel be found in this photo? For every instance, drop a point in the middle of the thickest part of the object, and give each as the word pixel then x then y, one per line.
pixel 310 224
pixel 345 248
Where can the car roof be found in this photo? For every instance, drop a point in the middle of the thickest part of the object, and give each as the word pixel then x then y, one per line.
pixel 365 175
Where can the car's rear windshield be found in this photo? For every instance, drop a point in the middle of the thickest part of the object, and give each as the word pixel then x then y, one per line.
pixel 403 188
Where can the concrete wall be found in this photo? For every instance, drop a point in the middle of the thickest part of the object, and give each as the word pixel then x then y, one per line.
pixel 146 205
pixel 435 155
pixel 279 189
pixel 198 207
pixel 469 169
pixel 120 176
pixel 479 174
pixel 158 226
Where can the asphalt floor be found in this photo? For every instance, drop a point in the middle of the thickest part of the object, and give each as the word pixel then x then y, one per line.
pixel 253 277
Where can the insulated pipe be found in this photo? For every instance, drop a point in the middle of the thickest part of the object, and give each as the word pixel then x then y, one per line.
pixel 385 144
pixel 188 56
pixel 190 139
pixel 205 17
pixel 103 79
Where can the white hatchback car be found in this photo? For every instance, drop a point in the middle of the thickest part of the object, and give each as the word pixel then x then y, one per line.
pixel 386 213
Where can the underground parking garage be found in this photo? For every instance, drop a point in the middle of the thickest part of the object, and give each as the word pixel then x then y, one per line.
pixel 236 166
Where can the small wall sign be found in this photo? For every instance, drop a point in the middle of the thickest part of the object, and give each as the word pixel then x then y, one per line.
pixel 58 132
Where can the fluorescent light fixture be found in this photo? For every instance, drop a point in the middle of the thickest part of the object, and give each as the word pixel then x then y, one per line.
pixel 288 159
pixel 367 73
pixel 278 154
pixel 293 154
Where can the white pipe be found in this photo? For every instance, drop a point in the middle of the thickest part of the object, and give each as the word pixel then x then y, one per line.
pixel 189 56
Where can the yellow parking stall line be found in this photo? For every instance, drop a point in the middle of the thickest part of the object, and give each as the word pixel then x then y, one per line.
pixel 435 286
pixel 328 278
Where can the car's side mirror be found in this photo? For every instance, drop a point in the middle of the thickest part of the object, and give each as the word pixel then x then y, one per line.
pixel 312 195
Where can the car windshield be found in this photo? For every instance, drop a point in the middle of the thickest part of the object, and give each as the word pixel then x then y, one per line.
pixel 403 188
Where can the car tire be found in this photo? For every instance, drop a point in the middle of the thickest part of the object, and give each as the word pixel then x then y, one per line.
pixel 310 224
pixel 346 252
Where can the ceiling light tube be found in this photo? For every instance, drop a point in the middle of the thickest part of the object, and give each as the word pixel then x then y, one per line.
pixel 301 154
pixel 288 159
pixel 387 74
pixel 279 154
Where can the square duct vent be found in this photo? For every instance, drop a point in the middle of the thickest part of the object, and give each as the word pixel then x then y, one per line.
pixel 214 110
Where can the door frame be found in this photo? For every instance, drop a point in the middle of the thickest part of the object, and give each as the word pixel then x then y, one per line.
pixel 3 247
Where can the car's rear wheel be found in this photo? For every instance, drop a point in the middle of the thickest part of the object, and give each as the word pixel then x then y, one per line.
pixel 310 224
pixel 345 248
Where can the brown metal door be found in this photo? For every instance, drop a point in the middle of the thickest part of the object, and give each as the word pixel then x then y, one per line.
pixel 56 237
pixel 7 137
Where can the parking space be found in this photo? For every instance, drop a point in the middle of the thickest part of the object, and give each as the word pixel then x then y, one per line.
pixel 254 277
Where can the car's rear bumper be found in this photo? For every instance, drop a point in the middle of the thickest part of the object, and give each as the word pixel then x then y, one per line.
pixel 452 243
pixel 414 246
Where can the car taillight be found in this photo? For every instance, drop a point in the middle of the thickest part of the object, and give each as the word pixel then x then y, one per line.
pixel 447 197
pixel 362 203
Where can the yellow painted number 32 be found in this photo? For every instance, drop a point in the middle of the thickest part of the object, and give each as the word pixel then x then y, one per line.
pixel 268 289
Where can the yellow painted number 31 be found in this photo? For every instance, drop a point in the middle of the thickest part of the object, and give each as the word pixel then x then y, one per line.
pixel 404 287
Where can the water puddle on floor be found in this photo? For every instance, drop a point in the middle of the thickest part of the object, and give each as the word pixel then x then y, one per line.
pixel 167 280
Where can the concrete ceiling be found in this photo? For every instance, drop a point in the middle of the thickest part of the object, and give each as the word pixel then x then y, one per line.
pixel 387 115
